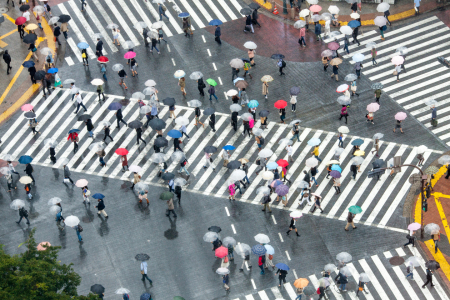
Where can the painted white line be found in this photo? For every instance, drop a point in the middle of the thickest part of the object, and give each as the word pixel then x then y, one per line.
pixel 220 81
pixel 263 295
pixel 290 290
pixel 226 209
pixel 227 9
pixel 276 292
pixel 254 286
pixel 234 229
pixel 105 16
pixel 216 11
pixel 202 9
pixel 75 49
pixel 384 274
pixel 281 238
pixel 173 61
pixel 172 20
pixel 209 52
pixel 203 37
pixel 192 13
pixel 295 273
pixel 237 6
pixel 69 61
pixel 214 66
pixel 121 20
pixel 274 221
pixel 168 47
pixel 225 93
pixel 287 255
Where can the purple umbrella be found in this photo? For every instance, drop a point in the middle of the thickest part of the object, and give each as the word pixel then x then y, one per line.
pixel 335 174
pixel 282 190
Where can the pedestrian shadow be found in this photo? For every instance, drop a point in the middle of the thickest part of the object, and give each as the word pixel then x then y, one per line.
pixel 56 173
pixel 83 253
pixel 171 233
pixel 62 238
pixel 89 217
pixel 104 228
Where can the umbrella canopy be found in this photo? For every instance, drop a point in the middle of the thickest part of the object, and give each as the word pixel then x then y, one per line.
pixel 50 143
pixel 222 271
pixel 412 260
pixel 301 283
pixel 149 82
pixel 432 265
pixel 357 142
pixel 343 129
pixel 121 151
pixel 373 107
pixel 72 221
pixel 241 84
pixel 161 142
pixel 179 74
pixel 354 209
pixel 181 121
pixel 235 107
pixel 229 241
pixel 64 18
pixel 303 13
pixel 174 134
pixel 236 63
pixel 145 110
pixel 97 288
pixel 265 153
pixel 285 141
pixel 333 46
pixel 326 53
pixel 166 195
pixel 210 236
pixel 431 170
pixel 398 60
pixel 296 214
pixel 194 103
pixel 246 11
pixel 303 185
pixel 355 16
pixel 98 196
pixel 414 226
pixel 314 142
pixel 371 45
pixel 159 124
pixel 421 149
pixel 311 162
pixel 232 165
pixel 135 124
pixel 359 153
pixel 347 30
pixel 344 100
pixel 335 174
pixel 357 160
pixel 378 163
pixel 232 93
pixel 277 56
pixel 122 291
pixel 20 21
pixel 211 81
pixel 250 45
pixel 267 175
pixel 329 268
pixel 253 104
pixel 179 181
pixel 344 257
pixel 295 90
pixel 210 149
pixel 221 252
pixel 282 190
pixel 324 282
pixel 377 136
pixel 400 116
pixel 259 250
pixel 168 176
pixel 315 8
pixel 24 7
pixel 95 147
pixel 444 160
pixel 380 21
pixel 336 61
pixel 271 165
pixel 333 9
pixel 401 50
pixel 29 38
pixel 263 190
pixel 336 168
pixel 102 59
pixel 266 78
pixel 345 271
pixel 280 104
pixel 354 24
pixel 282 163
pixel 359 57
pixel 282 266
pixel 115 106
pixel 242 249
pixel 262 238
pixel 382 7
pixel 25 159
pixel 28 64
pixel 299 24
pixel 54 201
pixel 264 113
pixel 216 229
pixel 81 183
pixel 342 88
pixel 16 204
pixel 247 116
pixel 331 162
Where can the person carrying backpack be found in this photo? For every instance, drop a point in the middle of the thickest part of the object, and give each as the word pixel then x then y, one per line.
pixel 183 166
pixel 59 218
pixel 247 68
pixel 23 213
pixel 162 11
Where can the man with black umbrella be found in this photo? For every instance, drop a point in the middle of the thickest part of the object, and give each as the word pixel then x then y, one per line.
pixel 429 278
pixel 201 85
pixel 21 31
pixel 52 154
pixel 99 48
pixel 139 136
pixel 176 145
pixel 7 59
pixel 119 117
pixel 145 35
pixel 46 84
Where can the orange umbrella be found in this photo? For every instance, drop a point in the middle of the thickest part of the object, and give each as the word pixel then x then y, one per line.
pixel 301 283
pixel 43 246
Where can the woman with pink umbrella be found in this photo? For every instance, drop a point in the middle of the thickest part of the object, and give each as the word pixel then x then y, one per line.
pixel 412 227
pixel 397 61
pixel 399 117
pixel 371 108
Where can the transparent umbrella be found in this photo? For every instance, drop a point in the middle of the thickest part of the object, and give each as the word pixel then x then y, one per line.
pixel 444 160
pixel 196 75
pixel 265 153
pixel 128 45
pixel 210 236
pixel 242 249
pixel 303 185
pixel 351 77
pixel 177 156
pixel 122 291
pixel 54 201
pixel 181 121
pixel 237 175
pixel 412 260
pixel 5 170
pixel 179 182
pixel 357 160
pixel 235 107
pixel 401 50
pixel 346 271
pixel 344 100
pixel 141 186
pixel 16 204
pixel 430 102
pixel 194 103
pixel 329 268
pixel 72 221
pixel 117 67
pixel 54 209
pixel 344 257
pixel 262 238
pixel 371 45
pixel 138 96
pixel 158 158
pixel 343 129
pixel 311 162
pixel 363 277
pixel 431 228
pixel 378 136
pixel 299 24
pixel 285 141
pixel 50 143
pixel 222 271
pixel 324 282
pixel 263 190
pixel 229 241
pixel 232 93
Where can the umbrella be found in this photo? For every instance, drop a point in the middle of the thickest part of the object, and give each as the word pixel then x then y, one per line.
pixel 161 142
pixel 259 250
pixel 210 236
pixel 377 86
pixel 241 84
pixel 181 121
pixel 431 170
pixel 42 246
pixel 315 8
pixel 421 149
pixel 344 257
pixel 84 117
pixel 311 162
pixel 400 116
pixel 215 229
pixel 28 64
pixel 331 162
pixel 95 147
pixel 122 291
pixel 414 226
pixel 115 106
pixel 72 221
pixel 221 252
pixel 295 90
pixel 140 25
pixel 232 93
pixel 296 214
pixel 333 46
pixel 149 82
pixel 265 153
pixel 63 161
pixel 301 283
pixel 5 170
pixel 280 104
pixel 222 271
pixel 53 20
pixel 413 260
pixel 149 91
pixel 313 2
pixel 246 11
pixel 25 159
pixel 430 102
pixel 357 160
pixel 382 7
pixel 128 45
pixel 55 209
pixel 444 160
pixel 211 81
pixel 354 209
pixel 266 78
pixel 334 34
pixel 282 163
pixel 299 24
pixel 432 265
pixel 46 51
pixel 303 13
pixel 250 45
pixel 168 176
pixel 237 175
pixel 232 165
pixel 355 16
pixel 324 282
pixel 254 5
pixel 277 56
pixel 141 186
pixel 24 7
pixel 235 107
pixel 81 183
pixel 135 124
pixel 378 163
pixel 54 201
pixel 397 60
pixel 357 142
pixel 354 24
pixel 174 134
pixel 431 228
pixel 98 196
pixel 267 175
pixel 166 195
pixel 285 141
pixel 179 74
pixel 236 63
pixel 243 249
pixel 243 160
pixel 196 75
pixel 333 9
pixel 194 103
pixel 342 88
pixel 371 45
pixel 326 53
pixel 64 18
pixel 159 124
pixel 50 143
pixel 303 185
pixel 359 153
pixel 347 30
pixel 97 288
pixel 344 100
pixel 336 61
pixel 97 81
pixel 327 16
pixel 178 298
pixel 138 95
pixel 229 241
pixel 343 129
pixel 210 149
pixel 335 174
pixel 282 190
pixel 253 104
pixel 179 181
pixel 29 38
pixel 270 250
pixel 282 266
pixel 124 102
pixel 16 204
pixel 121 151
pixel 359 57
pixel 102 59
pixel 329 268
pixel 378 136
pixel 264 113
pixel 263 190
pixel 117 67
pixel 336 168
pixel 314 142
pixel 83 45
pixel 113 26
pixel 247 116
pixel 401 50
pixel 40 75
pixel 271 165
pixel 20 21
pixel 276 183
pixel 183 15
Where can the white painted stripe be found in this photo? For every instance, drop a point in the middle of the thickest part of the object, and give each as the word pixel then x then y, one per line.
pixel 387 278
pixel 373 279
pixel 97 23
pixel 281 237
pixel 422 84
pixel 209 52
pixel 74 48
pixel 355 275
pixel 105 16
pixel 274 221
pixel 290 291
pixel 276 292
pixel 422 78
pixel 227 211
pixel 227 9
pixel 250 297
pixel 202 10
pixel 406 284
pixel 234 229
pixel 173 61
pixel 287 255
pixel 237 6
pixel 171 20
pixel 76 30
pixel 422 92
pixel 121 20
pixel 168 47
pixel 214 66
pixel 192 13
pixel 220 82
pixel 295 273
pixel 69 61
pixel 216 10
pixel 203 37
pixel 263 295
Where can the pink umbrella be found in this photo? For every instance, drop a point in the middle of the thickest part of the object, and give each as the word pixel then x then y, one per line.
pixel 315 8
pixel 373 107
pixel 414 226
pixel 221 252
pixel 333 46
pixel 42 246
pixel 400 116
pixel 397 60
pixel 81 183
pixel 27 107
pixel 129 55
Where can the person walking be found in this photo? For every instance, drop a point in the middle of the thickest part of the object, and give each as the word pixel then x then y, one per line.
pixel 217 35
pixel 292 227
pixel 373 51
pixel 29 171
pixel 350 218
pixel 183 166
pixel 281 64
pixel 60 219
pixel 377 95
pixel 115 33
pixel 313 171
pixel 361 286
pixel 182 84
pixel 183 130
pixel 342 280
pixel 244 97
pixel 144 272
pixel 315 153
pixel 301 37
pixel 32 71
pixel 78 230
pixel 358 66
pixel 80 103
pixel 212 122
pixel 226 157
pixel 344 113
pixel 249 25
pixel 7 59
pixel 337 185
pixel 22 31
pixel 247 129
pixel 386 15
pixel 33 50
pixel 355 36
pixel 281 276
pixel 170 208
pixel 154 42
pixel 212 93
pixel 100 92
pixel 133 65
pixel 318 31
pixel 436 238
pixel 83 4
pixel 261 261
pixel 73 137
pixel 354 169
pixel 346 44
pixel 293 102
pixel 296 131
pixel 119 118
pixel 411 239
pixel 124 160
pixel 107 133
pixel 234 116
pixel 417 7
pixel 266 203
pixel 23 213
pixel 64 29
pixel 176 144
pixel 162 11
pixel 208 160
pixel 136 179
pixel 33 123
pixel 429 278
pixel 410 269
pixel 335 72
pixel 186 27
pixel 244 168
pixel 9 181
pixel 226 281
pixel 397 71
pixel 101 208
pixel 231 191
pixel 67 174
pixel 122 76
pixel 290 152
pixel 246 259
pixel 259 141
pixel 99 48
pixel 376 146
pixel 200 86
pixel 282 113
pixel 434 121
pixel 398 125
pixel 369 117
pixel 265 90
pixel 86 193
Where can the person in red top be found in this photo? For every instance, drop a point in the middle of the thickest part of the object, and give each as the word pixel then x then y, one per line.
pixel 73 137
pixel 261 261
pixel 124 160
pixel 301 39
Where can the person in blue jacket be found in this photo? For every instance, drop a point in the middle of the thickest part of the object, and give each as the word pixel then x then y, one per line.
pixel 217 35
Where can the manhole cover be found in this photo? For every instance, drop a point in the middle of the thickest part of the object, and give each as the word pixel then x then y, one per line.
pixel 3 10
pixel 397 261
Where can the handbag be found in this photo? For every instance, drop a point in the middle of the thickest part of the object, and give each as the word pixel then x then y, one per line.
pixel 395 73
pixel 66 180
pixel 360 289
pixel 142 272
pixel 210 159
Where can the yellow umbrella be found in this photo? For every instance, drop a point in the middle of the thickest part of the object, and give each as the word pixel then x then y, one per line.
pixel 336 61
pixel 301 283
pixel 31 27
pixel 267 78
pixel 332 162
pixel 25 180
pixel 243 160
pixel 359 153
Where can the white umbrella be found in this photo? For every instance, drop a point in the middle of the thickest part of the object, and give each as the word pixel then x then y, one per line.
pixel 112 26
pixel 237 175
pixel 25 180
pixel 145 109
pixel 122 291
pixel 229 241
pixel 159 1
pixel 338 151
pixel 158 25
pixel 136 169
pixel 312 1
pixel 303 185
pixel 235 107
pixel 138 96
pixel 343 129
pixel 257 131
pixel 311 162
pixel 285 141
pixel 350 77
pixel 53 21
pixel 346 30
pixel 359 57
pixel 179 74
pixel 412 259
pixel 222 271
pixel 54 201
pixel 430 102
pixel 140 25
pixel 72 221
pixel 141 186
pixel 357 160
pixel 363 277
pixel 263 190
pixel 232 93
pixel 178 156
pixel 342 88
pixel 117 67
pixel 149 91
pixel 69 81
pixel 443 160
pixel 264 153
pixel 8 157
pixel 194 103
pixel 46 51
pixel 421 149
pixel 158 158
pixel 242 249
pixel 181 121
pixel 98 35
pixel 250 45
pixel 344 257
pixel 380 21
pixel 431 228
pixel 50 143
pixel 299 24
pixel 63 161
pixel 326 16
pixel 270 250
pixel 346 271
pixel 95 147
pixel 210 236
pixel 237 63
pixel 54 209
pixel 150 82
pixel 246 116
pixel 296 214
pixel 329 268
pixel 104 123
pixel 262 238
pixel 196 75
pixel 333 9
pixel 401 50
pixel 378 136
pixel 316 18
pixel 179 182
pixel 355 16
pixel 5 170
pixel 16 204
pixel 382 7
pixel 304 12
pixel 128 45
pixel 267 175
pixel 371 45
pixel 97 81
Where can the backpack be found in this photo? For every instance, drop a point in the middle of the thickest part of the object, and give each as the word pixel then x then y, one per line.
pixel 408 269
pixel 318 291
pixel 198 112
pixel 164 8
pixel 83 55
pixel 88 193
pixel 80 229
pixel 261 141
pixel 283 64
pixel 27 188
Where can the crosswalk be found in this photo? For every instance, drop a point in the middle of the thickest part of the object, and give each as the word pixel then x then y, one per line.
pixel 378 199
pixel 99 14
pixel 386 281
pixel 425 78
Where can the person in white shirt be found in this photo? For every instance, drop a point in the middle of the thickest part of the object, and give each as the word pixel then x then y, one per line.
pixel 144 272
pixel 73 88
pixel 290 151
pixel 11 168
pixel 80 103
pixel 208 160
pixel 184 131
pixel 226 157
pixel 26 15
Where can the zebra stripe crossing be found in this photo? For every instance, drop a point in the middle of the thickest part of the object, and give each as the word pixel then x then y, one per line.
pixel 425 77
pixel 98 15
pixel 386 281
pixel 55 116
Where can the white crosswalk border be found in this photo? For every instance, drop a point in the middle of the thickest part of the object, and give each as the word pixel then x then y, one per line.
pixel 386 281
pixel 425 77
pixel 96 18
pixel 378 199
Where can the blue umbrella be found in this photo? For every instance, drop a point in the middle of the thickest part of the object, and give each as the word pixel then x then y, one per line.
pixel 145 296
pixel 336 168
pixel 228 147
pixel 175 134
pixel 277 56
pixel 314 142
pixel 52 70
pixel 357 142
pixel 272 165
pixel 253 104
pixel 115 106
pixel 294 90
pixel 282 266
pixel 98 196
pixel 245 60
pixel 183 15
pixel 259 250
pixel 83 45
pixel 25 159
pixel 28 64
pixel 74 130
pixel 354 24
pixel 215 22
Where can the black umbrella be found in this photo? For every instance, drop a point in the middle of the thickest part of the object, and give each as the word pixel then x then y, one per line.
pixel 254 5
pixel 277 56
pixel 64 18
pixel 157 124
pixel 84 117
pixel 124 102
pixel 432 265
pixel 215 229
pixel 135 124
pixel 168 176
pixel 234 165
pixel 97 289
pixel 378 164
pixel 30 115
pixel 29 38
pixel 264 113
pixel 161 142
pixel 39 75
pixel 169 101
pixel 24 7
pixel 209 111
pixel 142 257
pixel 210 149
pixel 309 291
pixel 246 11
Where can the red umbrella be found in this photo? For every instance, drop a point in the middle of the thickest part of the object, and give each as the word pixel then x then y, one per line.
pixel 221 252
pixel 20 21
pixel 121 151
pixel 333 46
pixel 103 59
pixel 280 104
pixel 283 163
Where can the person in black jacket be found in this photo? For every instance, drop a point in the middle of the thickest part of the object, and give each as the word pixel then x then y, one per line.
pixel 21 31
pixel 355 35
pixel 107 133
pixel 145 36
pixel 46 84
pixel 29 171
pixel 342 280
pixel 176 145
pixel 139 135
pixel 57 33
pixel 7 59
pixel 119 117
pixel 246 128
pixel 99 48
pixel 354 7
pixel 23 214
pixel 178 193
pixel 52 154
pixel 201 85
pixel 212 122
pixel 281 276
pixel 101 208
pixel 292 227
pixel 154 42
pixel 89 127
pixel 249 25
pixel 234 115
pixel 354 170
pixel 429 278
pixel 255 18
pixel 197 117
pixel 32 48
pixel 266 203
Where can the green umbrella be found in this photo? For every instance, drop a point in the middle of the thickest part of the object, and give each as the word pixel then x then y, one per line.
pixel 178 298
pixel 211 81
pixel 355 209
pixel 166 196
